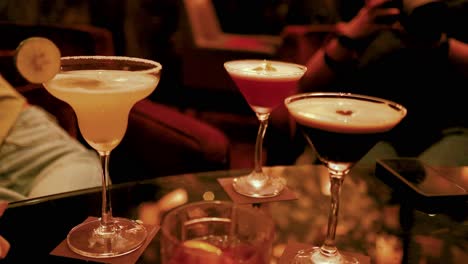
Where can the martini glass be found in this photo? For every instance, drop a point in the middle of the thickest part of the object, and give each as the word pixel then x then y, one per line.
pixel 341 128
pixel 102 90
pixel 264 85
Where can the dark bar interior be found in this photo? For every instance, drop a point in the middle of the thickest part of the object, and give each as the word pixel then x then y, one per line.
pixel 196 127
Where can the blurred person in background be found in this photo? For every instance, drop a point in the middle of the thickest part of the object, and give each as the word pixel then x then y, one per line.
pixel 413 52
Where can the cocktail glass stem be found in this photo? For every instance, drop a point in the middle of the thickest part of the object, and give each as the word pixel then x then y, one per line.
pixel 336 180
pixel 258 158
pixel 106 210
pixel 328 253
pixel 257 183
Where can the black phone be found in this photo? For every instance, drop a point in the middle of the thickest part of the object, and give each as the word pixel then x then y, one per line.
pixel 427 187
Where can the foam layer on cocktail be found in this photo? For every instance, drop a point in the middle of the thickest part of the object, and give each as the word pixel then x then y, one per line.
pixel 101 81
pixel 262 69
pixel 345 115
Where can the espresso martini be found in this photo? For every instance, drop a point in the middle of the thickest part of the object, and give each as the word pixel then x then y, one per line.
pixel 343 129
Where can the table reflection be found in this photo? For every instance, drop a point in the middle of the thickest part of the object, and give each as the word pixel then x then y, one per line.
pixel 374 221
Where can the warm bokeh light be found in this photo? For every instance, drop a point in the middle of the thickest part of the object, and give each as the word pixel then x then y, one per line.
pixel 150 213
pixel 325 184
pixel 464 175
pixel 208 196
pixel 388 250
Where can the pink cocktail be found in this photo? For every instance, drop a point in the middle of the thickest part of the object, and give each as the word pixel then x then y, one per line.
pixel 264 85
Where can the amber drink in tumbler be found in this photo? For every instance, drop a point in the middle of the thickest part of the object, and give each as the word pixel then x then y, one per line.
pixel 218 232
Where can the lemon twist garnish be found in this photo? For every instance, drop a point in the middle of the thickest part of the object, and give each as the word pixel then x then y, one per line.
pixel 204 246
pixel 266 66
pixel 37 59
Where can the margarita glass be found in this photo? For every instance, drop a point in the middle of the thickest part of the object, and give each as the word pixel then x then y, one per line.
pixel 102 90
pixel 341 128
pixel 264 85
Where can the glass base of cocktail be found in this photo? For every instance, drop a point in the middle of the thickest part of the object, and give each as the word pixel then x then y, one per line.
pixel 258 184
pixel 102 243
pixel 264 85
pixel 316 255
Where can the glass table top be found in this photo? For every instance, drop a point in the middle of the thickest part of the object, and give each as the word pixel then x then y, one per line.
pixel 374 220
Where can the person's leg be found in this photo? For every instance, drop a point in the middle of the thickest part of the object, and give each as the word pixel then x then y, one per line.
pixel 39 158
pixel 10 195
pixel 73 171
pixel 451 150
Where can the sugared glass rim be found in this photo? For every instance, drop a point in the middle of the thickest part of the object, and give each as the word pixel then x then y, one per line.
pixel 157 67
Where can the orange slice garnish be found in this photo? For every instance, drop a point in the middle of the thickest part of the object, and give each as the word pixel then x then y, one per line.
pixel 204 246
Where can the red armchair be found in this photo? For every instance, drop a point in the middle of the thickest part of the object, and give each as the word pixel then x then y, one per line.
pixel 204 47
pixel 159 141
